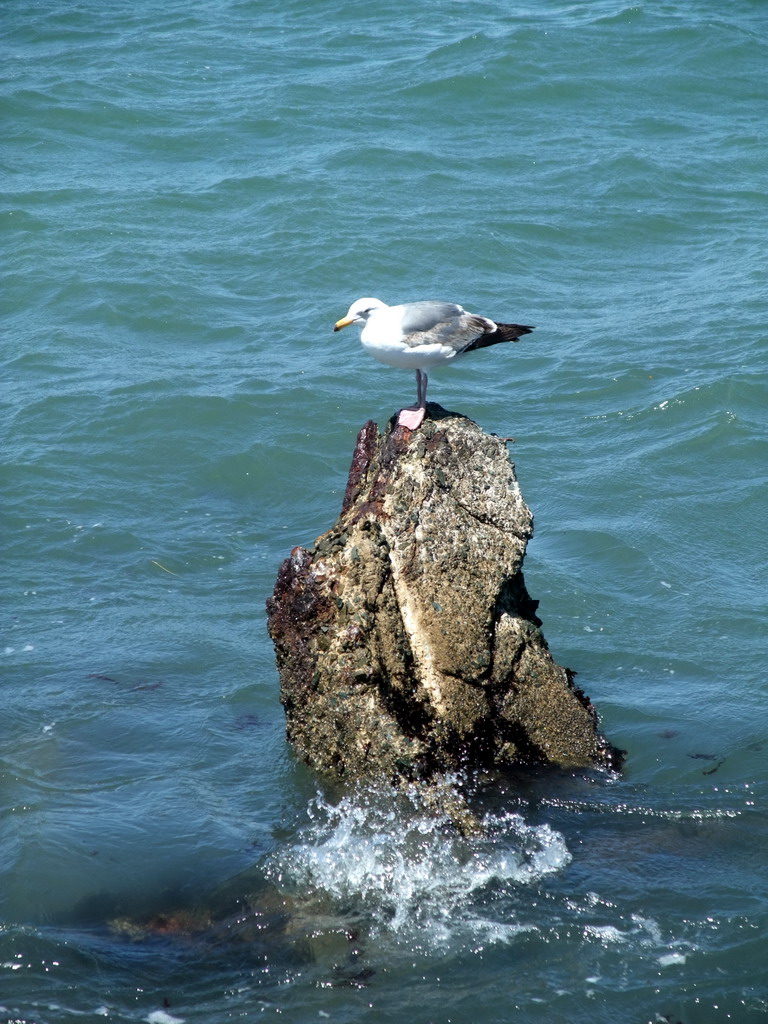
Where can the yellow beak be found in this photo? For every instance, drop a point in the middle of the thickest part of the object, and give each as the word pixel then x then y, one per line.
pixel 344 322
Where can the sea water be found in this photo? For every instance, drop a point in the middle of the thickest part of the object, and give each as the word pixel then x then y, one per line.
pixel 194 194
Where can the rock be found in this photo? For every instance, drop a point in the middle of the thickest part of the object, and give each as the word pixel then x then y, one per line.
pixel 406 641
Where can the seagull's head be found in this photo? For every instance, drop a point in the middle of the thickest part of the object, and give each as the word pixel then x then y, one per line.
pixel 359 312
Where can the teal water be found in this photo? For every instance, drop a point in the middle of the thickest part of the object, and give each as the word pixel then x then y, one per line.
pixel 194 193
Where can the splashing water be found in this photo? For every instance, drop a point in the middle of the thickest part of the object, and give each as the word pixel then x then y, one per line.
pixel 408 869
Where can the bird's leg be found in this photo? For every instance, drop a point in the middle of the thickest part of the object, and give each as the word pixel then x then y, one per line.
pixel 413 416
pixel 421 384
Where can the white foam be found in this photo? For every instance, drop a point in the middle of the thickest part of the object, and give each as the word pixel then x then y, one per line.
pixel 607 933
pixel 161 1017
pixel 672 958
pixel 410 871
pixel 643 931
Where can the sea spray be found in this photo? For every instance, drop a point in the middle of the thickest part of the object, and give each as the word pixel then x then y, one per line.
pixel 409 871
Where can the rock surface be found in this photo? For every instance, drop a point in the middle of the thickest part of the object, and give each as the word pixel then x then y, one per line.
pixel 406 641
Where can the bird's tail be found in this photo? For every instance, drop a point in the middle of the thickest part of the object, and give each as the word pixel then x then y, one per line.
pixel 510 332
pixel 503 332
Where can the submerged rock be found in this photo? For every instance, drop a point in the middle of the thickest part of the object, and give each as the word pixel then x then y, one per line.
pixel 406 641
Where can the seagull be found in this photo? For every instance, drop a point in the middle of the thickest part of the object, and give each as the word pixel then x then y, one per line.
pixel 420 335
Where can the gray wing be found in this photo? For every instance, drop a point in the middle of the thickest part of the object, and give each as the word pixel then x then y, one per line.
pixel 445 323
pixel 423 316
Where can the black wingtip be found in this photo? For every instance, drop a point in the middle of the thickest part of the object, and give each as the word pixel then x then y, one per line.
pixel 512 332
